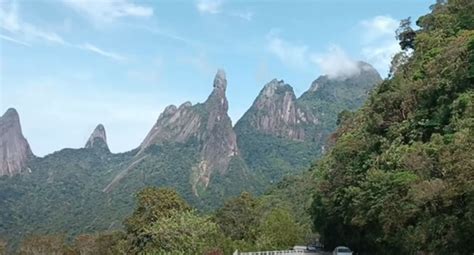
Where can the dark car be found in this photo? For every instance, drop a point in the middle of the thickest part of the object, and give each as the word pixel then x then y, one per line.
pixel 317 247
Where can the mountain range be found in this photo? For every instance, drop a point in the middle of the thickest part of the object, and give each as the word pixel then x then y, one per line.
pixel 192 148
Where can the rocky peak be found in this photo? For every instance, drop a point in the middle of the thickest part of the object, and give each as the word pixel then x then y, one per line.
pixel 170 110
pixel 186 104
pixel 220 81
pixel 14 149
pixel 98 139
pixel 275 111
pixel 208 123
pixel 217 101
pixel 276 89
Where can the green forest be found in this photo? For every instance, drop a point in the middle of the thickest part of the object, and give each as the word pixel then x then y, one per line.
pixel 399 178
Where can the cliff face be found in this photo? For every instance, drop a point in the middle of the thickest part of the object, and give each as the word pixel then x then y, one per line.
pixel 14 149
pixel 278 112
pixel 281 134
pixel 98 139
pixel 207 123
pixel 275 111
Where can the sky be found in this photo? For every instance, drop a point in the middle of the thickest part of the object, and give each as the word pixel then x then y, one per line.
pixel 68 65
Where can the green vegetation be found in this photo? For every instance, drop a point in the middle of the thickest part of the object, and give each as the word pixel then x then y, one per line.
pixel 294 194
pixel 239 217
pixel 399 179
pixel 163 223
pixel 272 157
pixel 330 96
pixel 279 231
pixel 64 193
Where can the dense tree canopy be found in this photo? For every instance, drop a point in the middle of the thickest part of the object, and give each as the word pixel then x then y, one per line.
pixel 400 177
pixel 239 217
pixel 154 205
pixel 279 231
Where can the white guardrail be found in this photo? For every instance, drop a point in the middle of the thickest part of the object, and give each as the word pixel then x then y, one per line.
pixel 287 252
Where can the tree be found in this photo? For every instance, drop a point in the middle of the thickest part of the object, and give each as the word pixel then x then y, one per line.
pixel 279 230
pixel 184 232
pixel 398 61
pixel 239 217
pixel 405 34
pixel 154 205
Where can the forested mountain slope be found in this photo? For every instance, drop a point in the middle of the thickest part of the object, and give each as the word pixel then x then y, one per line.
pixel 281 134
pixel 400 177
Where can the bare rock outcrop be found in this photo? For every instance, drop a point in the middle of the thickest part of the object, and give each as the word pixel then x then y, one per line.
pixel 14 148
pixel 207 123
pixel 276 112
pixel 98 139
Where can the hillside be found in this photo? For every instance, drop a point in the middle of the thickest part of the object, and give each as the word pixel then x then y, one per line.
pixel 281 135
pixel 400 177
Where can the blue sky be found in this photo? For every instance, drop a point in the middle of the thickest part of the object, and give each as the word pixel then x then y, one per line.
pixel 67 65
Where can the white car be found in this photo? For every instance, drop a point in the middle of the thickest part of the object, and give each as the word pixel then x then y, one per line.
pixel 342 250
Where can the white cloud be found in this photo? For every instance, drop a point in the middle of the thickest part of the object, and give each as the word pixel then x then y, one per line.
pixel 95 49
pixel 379 27
pixel 11 22
pixel 160 31
pixel 209 6
pixel 216 7
pixel 109 10
pixel 378 41
pixel 380 56
pixel 10 39
pixel 291 54
pixel 336 63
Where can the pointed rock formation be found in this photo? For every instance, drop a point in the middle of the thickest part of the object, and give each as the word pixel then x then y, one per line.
pixel 207 123
pixel 275 111
pixel 14 149
pixel 219 139
pixel 98 139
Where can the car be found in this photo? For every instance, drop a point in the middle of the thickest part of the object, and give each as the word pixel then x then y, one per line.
pixel 342 250
pixel 317 247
